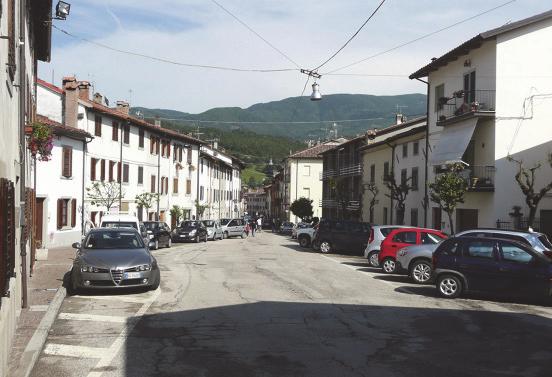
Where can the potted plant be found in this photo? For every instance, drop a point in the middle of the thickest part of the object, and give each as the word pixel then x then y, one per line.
pixel 41 141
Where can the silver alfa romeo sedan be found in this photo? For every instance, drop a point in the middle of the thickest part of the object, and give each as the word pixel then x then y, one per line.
pixel 114 258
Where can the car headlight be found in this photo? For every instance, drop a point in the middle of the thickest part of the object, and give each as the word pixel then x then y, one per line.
pixel 89 269
pixel 144 267
pixel 192 232
pixel 150 236
pixel 210 231
pixel 403 252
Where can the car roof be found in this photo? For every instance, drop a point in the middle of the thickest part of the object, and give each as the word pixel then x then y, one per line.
pixel 414 228
pixel 463 238
pixel 119 217
pixel 502 231
pixel 102 229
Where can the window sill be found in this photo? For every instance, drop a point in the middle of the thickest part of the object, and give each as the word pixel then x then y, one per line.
pixel 66 178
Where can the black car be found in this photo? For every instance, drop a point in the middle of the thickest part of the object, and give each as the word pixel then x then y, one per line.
pixel 341 235
pixel 190 230
pixel 159 234
pixel 491 264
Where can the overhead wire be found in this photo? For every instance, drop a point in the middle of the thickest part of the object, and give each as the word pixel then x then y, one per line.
pixel 352 37
pixel 164 60
pixel 421 37
pixel 254 32
pixel 269 122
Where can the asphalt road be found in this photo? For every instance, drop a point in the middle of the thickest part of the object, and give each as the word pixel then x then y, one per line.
pixel 264 307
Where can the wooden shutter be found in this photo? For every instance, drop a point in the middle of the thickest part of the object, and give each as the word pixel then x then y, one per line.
pixel 102 171
pixel 152 146
pixel 125 173
pixel 188 187
pixel 152 187
pixel 168 144
pixel 189 155
pixel 93 169
pixel 67 162
pixel 98 125
pixel 140 175
pixel 115 131
pixel 141 138
pixel 11 39
pixel 73 212
pixel 126 134
pixel 59 213
pixel 175 185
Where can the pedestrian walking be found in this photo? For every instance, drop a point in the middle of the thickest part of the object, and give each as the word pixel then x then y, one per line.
pixel 273 225
pixel 260 224
pixel 253 225
pixel 246 229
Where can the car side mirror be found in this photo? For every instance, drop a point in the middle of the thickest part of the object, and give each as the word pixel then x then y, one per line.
pixel 76 245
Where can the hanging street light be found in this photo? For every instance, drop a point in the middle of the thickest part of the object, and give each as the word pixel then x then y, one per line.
pixel 62 10
pixel 315 96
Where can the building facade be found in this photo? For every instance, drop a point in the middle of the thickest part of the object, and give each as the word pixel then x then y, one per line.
pixel 256 202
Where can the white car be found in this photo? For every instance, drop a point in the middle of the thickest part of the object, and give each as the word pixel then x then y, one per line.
pixel 305 236
pixel 120 221
pixel 233 228
pixel 214 230
pixel 377 235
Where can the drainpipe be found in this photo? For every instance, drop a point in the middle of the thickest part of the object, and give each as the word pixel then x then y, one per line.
pixel 296 182
pixel 158 177
pixel 22 150
pixel 426 169
pixel 84 150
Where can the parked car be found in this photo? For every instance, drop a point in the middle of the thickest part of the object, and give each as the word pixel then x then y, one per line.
pixel 401 238
pixel 491 264
pixel 190 230
pixel 298 226
pixel 119 221
pixel 267 223
pixel 377 235
pixel 341 235
pixel 214 230
pixel 305 236
pixel 234 228
pixel 159 234
pixel 416 262
pixel 538 241
pixel 286 228
pixel 113 258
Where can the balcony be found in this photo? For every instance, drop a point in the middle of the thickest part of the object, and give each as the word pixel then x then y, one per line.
pixel 464 104
pixel 351 170
pixel 480 178
pixel 326 174
pixel 352 205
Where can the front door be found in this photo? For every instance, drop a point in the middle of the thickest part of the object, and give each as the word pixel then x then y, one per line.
pixel 546 222
pixel 466 219
pixel 38 220
pixel 436 218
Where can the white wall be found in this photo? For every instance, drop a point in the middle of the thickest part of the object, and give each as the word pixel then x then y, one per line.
pixel 305 182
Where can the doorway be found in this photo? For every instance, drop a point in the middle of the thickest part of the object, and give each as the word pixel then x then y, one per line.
pixel 466 219
pixel 436 218
pixel 546 222
pixel 38 221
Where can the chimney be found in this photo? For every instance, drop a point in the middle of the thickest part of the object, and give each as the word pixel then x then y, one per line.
pixel 98 98
pixel 399 118
pixel 84 90
pixel 123 107
pixel 215 144
pixel 157 122
pixel 70 101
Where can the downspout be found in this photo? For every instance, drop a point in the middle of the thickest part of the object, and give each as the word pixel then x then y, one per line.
pixel 158 177
pixel 426 169
pixel 22 149
pixel 296 182
pixel 84 150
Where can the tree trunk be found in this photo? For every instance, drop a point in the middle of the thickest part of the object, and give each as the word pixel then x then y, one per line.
pixel 450 222
pixel 532 215
pixel 400 217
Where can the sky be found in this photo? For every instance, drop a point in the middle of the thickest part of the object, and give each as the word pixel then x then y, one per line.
pixel 306 31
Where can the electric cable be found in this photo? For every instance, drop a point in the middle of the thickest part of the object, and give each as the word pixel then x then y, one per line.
pixel 268 122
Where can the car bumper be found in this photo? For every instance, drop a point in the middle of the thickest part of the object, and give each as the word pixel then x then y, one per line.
pixel 109 280
pixel 183 237
pixel 399 269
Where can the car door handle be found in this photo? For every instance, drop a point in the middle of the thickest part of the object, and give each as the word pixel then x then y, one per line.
pixel 393 245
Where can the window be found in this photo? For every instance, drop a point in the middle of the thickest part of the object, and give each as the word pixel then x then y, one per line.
pixel 140 175
pixel 405 150
pixel 125 173
pixel 416 148
pixel 189 155
pixel 372 173
pixel 110 172
pixel 93 168
pixel 66 213
pixel 180 148
pixel 188 186
pixel 102 170
pixel 140 138
pixel 439 93
pixel 481 249
pixel 11 39
pixel 430 238
pixel 97 125
pixel 307 171
pixel 115 131
pixel 403 177
pixel 414 217
pixel 414 179
pixel 175 152
pixel 201 193
pixel 152 187
pixel 514 253
pixel 67 162
pixel 405 237
pixel 385 171
pixel 469 87
pixel 126 134
pixel 450 247
pixel 175 185
pixel 306 192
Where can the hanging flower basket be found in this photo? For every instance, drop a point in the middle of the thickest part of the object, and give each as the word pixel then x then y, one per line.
pixel 41 142
pixel 192 167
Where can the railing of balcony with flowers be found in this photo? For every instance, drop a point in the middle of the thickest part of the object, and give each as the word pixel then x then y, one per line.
pixel 466 102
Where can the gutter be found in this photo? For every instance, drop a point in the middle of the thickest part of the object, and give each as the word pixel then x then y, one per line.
pixel 84 150
pixel 22 150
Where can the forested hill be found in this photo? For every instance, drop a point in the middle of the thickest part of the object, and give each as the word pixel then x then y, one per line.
pixel 373 111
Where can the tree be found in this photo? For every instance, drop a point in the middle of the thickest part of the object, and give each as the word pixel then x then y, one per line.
pixel 525 178
pixel 398 193
pixel 374 191
pixel 200 209
pixel 104 194
pixel 146 200
pixel 302 208
pixel 176 214
pixel 448 190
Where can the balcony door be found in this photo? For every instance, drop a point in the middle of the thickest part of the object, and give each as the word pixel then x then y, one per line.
pixel 466 219
pixel 469 87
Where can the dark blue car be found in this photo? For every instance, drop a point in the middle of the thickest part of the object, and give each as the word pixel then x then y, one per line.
pixel 491 264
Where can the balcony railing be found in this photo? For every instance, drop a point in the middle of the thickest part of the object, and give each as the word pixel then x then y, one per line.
pixel 353 204
pixel 480 178
pixel 480 102
pixel 351 170
pixel 329 173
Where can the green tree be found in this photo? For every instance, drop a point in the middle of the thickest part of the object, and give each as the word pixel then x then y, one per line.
pixel 302 208
pixel 374 191
pixel 200 209
pixel 448 190
pixel 146 200
pixel 104 194
pixel 525 178
pixel 176 214
pixel 398 193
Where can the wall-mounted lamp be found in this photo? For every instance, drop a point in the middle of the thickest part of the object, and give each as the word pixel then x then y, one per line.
pixel 62 10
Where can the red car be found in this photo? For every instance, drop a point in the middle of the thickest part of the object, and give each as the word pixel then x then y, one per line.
pixel 404 237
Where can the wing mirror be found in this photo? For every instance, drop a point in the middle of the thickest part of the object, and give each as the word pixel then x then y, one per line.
pixel 76 245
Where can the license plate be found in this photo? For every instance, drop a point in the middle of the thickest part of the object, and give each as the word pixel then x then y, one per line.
pixel 183 236
pixel 131 275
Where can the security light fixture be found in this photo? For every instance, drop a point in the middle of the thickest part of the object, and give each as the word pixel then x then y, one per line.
pixel 62 10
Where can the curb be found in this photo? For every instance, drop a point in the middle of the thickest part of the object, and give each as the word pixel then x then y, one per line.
pixel 35 345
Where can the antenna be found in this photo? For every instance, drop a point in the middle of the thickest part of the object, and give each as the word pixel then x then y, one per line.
pixel 198 133
pixel 129 96
pixel 399 108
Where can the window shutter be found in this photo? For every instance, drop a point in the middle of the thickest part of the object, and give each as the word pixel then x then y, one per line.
pixel 168 144
pixel 59 213
pixel 189 155
pixel 151 145
pixel 98 125
pixel 93 169
pixel 67 163
pixel 126 134
pixel 73 212
pixel 11 39
pixel 102 170
pixel 115 131
pixel 141 138
pixel 152 186
pixel 188 186
pixel 125 173
pixel 175 185
pixel 140 175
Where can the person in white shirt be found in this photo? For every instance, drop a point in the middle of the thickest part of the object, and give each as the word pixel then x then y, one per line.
pixel 259 224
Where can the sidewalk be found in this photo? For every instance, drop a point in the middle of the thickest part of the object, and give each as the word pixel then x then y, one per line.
pixel 42 289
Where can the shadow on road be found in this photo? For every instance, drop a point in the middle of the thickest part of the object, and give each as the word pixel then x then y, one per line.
pixel 394 278
pixel 306 339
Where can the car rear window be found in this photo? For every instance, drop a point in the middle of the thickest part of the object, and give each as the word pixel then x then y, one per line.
pixel 119 224
pixel 480 249
pixel 386 231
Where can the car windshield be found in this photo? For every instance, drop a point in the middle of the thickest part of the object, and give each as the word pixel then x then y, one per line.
pixel 545 241
pixel 386 231
pixel 113 239
pixel 209 223
pixel 150 225
pixel 189 224
pixel 119 224
pixel 224 221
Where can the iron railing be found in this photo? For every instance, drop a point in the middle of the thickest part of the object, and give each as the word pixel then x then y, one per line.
pixel 480 177
pixel 351 170
pixel 465 102
pixel 519 224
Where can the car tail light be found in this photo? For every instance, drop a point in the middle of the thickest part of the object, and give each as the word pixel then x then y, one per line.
pixel 371 239
pixel 548 253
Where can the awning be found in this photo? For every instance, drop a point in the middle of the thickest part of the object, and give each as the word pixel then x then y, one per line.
pixel 453 142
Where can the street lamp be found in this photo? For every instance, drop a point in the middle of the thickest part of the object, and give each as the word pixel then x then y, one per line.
pixel 62 10
pixel 316 96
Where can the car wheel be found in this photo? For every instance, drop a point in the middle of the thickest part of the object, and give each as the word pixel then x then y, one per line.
pixel 325 247
pixel 169 243
pixel 155 285
pixel 420 272
pixel 156 245
pixel 197 239
pixel 449 286
pixel 389 266
pixel 373 258
pixel 226 235
pixel 304 241
pixel 243 235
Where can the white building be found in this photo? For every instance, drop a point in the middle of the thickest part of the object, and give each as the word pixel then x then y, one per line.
pixel 256 202
pixel 491 98
pixel 219 183
pixel 25 28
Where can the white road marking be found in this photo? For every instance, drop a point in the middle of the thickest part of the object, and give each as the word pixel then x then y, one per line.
pixel 130 299
pixel 38 308
pixel 106 359
pixel 75 351
pixel 92 317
